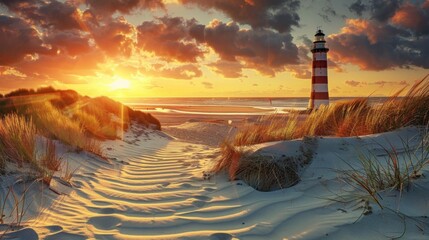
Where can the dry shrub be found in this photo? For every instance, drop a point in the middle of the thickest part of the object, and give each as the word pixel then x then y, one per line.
pixel 17 140
pixel 264 173
pixel 229 159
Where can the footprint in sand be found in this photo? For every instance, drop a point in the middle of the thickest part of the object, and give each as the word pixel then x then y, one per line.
pixel 220 236
pixel 105 222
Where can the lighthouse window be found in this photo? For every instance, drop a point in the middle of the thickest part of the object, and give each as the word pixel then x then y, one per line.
pixel 320 45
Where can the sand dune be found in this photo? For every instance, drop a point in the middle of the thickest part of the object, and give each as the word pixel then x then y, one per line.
pixel 153 187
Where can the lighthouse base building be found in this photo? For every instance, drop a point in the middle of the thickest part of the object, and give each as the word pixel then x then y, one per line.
pixel 319 80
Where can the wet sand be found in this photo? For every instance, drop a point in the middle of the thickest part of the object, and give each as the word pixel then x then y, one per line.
pixel 232 115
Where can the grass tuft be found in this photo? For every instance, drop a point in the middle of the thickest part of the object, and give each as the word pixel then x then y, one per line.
pixel 394 171
pixel 17 140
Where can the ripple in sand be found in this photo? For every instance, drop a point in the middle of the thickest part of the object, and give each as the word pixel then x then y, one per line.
pixel 105 222
pixel 203 198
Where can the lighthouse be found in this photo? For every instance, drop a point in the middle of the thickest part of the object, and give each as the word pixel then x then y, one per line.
pixel 319 79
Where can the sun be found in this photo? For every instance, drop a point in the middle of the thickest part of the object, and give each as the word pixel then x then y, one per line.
pixel 119 83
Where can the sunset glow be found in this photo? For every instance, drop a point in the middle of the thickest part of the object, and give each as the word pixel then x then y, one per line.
pixel 214 119
pixel 190 48
pixel 120 83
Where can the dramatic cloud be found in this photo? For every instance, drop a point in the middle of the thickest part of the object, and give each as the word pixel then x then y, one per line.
pixel 55 14
pixel 375 46
pixel 280 15
pixel 108 7
pixel 114 36
pixel 264 50
pixel 383 10
pixel 71 42
pixel 19 40
pixel 169 38
pixel 413 17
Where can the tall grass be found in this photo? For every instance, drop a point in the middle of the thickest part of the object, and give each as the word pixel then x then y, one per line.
pixel 102 129
pixel 346 118
pixel 17 140
pixel 53 124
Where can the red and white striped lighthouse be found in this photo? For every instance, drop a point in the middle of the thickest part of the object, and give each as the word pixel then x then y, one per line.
pixel 319 80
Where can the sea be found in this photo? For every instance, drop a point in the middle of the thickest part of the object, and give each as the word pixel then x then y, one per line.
pixel 266 103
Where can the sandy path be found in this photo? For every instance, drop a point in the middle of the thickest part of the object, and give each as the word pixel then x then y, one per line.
pixel 154 189
pixel 146 188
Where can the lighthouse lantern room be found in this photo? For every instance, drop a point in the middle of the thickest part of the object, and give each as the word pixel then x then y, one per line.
pixel 319 80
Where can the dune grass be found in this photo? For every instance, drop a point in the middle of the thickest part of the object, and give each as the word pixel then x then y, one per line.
pixel 53 124
pixel 17 140
pixel 347 118
pixel 18 145
pixel 395 171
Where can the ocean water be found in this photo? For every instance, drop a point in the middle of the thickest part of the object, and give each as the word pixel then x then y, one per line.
pixel 268 104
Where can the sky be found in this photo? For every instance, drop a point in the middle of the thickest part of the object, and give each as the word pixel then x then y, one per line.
pixel 211 48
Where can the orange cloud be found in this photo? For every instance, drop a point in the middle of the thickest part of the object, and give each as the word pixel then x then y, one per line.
pixel 413 17
pixel 169 38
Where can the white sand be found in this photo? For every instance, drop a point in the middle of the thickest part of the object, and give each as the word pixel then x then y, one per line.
pixel 153 188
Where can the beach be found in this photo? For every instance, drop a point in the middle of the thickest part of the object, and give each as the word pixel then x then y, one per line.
pixel 159 186
pixel 218 120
